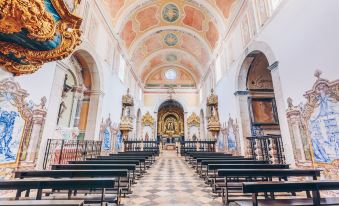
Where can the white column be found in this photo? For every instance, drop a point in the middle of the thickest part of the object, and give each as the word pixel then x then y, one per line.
pixel 285 134
pixel 244 120
pixel 94 115
pixel 38 121
pixel 52 109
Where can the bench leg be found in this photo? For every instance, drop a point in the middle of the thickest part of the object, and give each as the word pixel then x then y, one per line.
pixel 102 196
pixel 316 197
pixel 39 194
pixel 255 199
pixel 18 194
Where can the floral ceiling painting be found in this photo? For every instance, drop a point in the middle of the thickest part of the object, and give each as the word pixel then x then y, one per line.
pixel 191 28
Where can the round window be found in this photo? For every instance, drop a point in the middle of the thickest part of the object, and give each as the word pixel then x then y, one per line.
pixel 171 74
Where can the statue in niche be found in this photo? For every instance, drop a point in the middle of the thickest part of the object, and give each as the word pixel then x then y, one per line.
pixel 170 126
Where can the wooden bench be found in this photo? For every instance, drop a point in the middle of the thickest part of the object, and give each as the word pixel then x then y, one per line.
pixel 150 154
pixel 118 174
pixel 213 178
pixel 314 186
pixel 148 159
pixel 42 203
pixel 131 168
pixel 135 162
pixel 204 162
pixel 142 160
pixel 21 185
pixel 233 177
pixel 207 154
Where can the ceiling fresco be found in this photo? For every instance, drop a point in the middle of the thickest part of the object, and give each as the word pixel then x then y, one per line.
pixel 170 76
pixel 190 29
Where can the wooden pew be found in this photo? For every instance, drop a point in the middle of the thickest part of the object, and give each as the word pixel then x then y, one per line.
pixel 206 162
pixel 293 186
pixel 42 203
pixel 149 159
pixel 142 160
pixel 214 178
pixel 204 154
pixel 131 168
pixel 228 162
pixel 250 175
pixel 192 159
pixel 118 174
pixel 21 185
pixel 150 154
pixel 136 162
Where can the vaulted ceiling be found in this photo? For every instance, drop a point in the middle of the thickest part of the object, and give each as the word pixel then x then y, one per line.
pixel 170 35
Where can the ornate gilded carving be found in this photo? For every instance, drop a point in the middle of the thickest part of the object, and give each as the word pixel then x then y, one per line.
pixel 171 120
pixel 213 123
pixel 147 120
pixel 212 100
pixel 34 32
pixel 126 120
pixel 193 120
pixel 127 100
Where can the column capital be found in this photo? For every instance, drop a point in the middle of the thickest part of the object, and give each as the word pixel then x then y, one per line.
pixel 273 66
pixel 241 93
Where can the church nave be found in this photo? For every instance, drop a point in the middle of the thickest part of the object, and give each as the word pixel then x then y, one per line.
pixel 171 182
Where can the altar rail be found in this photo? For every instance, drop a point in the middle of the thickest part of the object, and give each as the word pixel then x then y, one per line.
pixel 140 145
pixel 60 151
pixel 206 145
pixel 268 147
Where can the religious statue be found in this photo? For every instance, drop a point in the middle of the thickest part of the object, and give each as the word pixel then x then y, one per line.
pixel 170 126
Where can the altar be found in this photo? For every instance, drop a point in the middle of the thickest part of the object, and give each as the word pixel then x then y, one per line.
pixel 171 146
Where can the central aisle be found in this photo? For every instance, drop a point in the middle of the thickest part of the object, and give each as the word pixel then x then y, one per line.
pixel 170 182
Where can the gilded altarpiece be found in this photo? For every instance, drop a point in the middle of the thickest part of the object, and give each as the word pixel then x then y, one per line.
pixel 108 136
pixel 193 124
pixel 21 124
pixel 171 122
pixel 213 123
pixel 147 127
pixel 315 126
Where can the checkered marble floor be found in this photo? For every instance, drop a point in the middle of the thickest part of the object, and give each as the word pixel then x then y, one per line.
pixel 171 182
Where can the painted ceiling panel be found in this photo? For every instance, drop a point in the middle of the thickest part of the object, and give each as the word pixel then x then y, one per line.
pixel 190 29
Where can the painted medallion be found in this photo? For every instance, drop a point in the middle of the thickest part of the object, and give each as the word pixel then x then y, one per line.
pixel 171 58
pixel 171 39
pixel 170 13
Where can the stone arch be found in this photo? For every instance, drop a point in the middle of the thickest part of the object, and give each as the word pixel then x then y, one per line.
pixel 162 99
pixel 242 94
pixel 89 61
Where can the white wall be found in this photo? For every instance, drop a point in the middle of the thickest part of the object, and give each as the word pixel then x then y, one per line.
pixel 304 36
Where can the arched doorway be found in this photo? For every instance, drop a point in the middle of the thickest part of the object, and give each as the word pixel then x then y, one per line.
pixel 79 105
pixel 170 122
pixel 261 99
pixel 256 97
